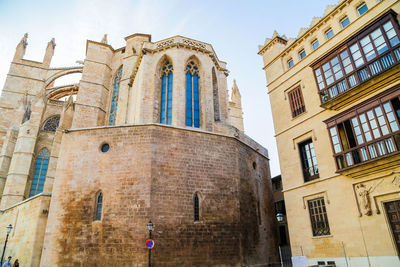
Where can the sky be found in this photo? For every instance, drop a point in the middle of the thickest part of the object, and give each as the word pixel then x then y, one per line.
pixel 234 28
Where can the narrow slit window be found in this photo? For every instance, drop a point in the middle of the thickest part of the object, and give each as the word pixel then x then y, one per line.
pixel 196 208
pixel 98 206
pixel 114 98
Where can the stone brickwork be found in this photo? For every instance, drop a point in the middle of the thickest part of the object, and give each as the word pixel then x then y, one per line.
pixel 152 173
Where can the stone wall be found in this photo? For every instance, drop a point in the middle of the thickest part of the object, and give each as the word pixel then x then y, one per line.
pixel 152 173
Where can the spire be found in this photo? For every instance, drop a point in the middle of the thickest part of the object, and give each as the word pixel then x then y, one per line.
pixel 21 47
pixel 235 108
pixel 236 97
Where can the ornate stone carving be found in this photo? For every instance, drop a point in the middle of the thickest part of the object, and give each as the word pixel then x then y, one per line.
pixel 165 43
pixel 364 200
pixel 52 124
pixel 194 44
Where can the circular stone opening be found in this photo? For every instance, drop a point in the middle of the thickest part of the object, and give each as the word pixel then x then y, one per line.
pixel 254 165
pixel 105 147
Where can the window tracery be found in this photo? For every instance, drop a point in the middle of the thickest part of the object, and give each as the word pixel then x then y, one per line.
pixel 166 93
pixel 192 95
pixel 51 124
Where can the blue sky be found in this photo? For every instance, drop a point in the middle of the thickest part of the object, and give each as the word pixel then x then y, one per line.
pixel 234 28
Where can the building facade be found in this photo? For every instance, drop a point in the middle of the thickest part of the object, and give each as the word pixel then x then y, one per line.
pixel 148 133
pixel 334 93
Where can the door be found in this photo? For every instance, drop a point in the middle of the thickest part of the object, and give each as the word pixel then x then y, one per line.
pixel 393 212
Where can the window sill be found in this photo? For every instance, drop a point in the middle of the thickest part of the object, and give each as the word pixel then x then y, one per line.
pixel 322 236
pixel 298 116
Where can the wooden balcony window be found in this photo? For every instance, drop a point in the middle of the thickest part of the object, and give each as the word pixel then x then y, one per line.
pixel 368 54
pixel 367 132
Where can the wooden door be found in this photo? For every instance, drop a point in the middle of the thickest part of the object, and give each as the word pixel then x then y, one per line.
pixel 393 212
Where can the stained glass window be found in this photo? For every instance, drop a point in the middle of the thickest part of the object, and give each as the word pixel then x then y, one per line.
pixel 39 174
pixel 98 206
pixel 51 124
pixel 166 94
pixel 114 98
pixel 192 95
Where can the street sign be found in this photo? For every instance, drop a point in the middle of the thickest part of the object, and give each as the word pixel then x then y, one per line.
pixel 150 243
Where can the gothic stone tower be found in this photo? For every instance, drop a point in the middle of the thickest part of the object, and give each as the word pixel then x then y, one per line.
pixel 152 135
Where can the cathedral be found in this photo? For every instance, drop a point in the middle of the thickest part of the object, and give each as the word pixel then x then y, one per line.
pixel 150 133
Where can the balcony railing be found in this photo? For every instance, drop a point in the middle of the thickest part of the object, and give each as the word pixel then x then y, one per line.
pixel 351 80
pixel 368 152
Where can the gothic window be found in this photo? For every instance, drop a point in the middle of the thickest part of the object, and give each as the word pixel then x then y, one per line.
pixel 39 174
pixel 192 95
pixel 114 98
pixel 166 94
pixel 51 124
pixel 98 206
pixel 196 208
pixel 215 96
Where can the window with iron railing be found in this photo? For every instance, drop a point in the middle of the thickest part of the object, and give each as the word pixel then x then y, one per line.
pixel 368 54
pixel 367 132
pixel 319 217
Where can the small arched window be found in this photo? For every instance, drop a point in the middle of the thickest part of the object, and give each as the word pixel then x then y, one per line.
pixel 51 124
pixel 166 93
pixel 192 95
pixel 39 174
pixel 98 206
pixel 114 98
pixel 196 208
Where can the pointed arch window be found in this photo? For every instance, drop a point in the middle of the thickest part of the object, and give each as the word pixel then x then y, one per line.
pixel 192 95
pixel 114 98
pixel 215 96
pixel 98 206
pixel 39 174
pixel 196 208
pixel 166 94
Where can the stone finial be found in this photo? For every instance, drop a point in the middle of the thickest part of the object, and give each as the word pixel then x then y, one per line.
pixel 52 42
pixel 275 34
pixel 24 40
pixel 104 40
pixel 21 47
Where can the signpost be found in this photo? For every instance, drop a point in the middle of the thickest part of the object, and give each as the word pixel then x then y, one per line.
pixel 149 243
